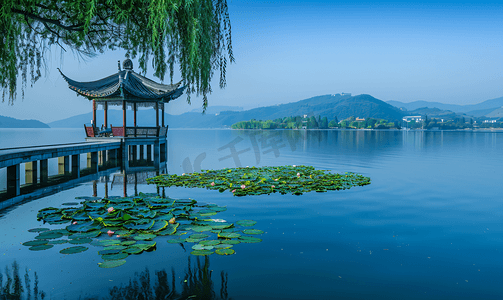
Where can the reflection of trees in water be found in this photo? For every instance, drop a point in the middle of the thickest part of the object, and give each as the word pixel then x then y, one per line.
pixel 196 284
pixel 11 287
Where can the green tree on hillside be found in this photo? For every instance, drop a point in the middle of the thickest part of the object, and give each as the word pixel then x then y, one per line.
pixel 196 35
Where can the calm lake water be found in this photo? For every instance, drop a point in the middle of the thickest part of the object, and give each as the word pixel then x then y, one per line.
pixel 429 226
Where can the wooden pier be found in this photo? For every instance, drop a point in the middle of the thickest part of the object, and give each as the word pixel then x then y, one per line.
pixel 102 154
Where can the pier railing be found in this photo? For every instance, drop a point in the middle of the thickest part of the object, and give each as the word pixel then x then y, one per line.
pixel 118 131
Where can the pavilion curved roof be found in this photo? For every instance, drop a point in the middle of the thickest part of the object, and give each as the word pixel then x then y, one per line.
pixel 135 87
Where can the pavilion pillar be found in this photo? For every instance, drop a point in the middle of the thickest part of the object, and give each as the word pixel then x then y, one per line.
pixel 162 108
pixel 134 114
pixel 94 112
pixel 31 169
pixel 106 113
pixel 76 166
pixel 13 181
pixel 157 114
pixel 44 171
pixel 124 117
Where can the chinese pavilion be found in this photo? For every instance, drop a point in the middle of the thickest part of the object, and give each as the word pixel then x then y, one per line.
pixel 129 90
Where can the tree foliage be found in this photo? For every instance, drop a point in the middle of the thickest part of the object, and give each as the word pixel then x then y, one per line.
pixel 194 34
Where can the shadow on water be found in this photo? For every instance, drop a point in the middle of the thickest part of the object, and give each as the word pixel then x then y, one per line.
pixel 197 283
pixel 11 286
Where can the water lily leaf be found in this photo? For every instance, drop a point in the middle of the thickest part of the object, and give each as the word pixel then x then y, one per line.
pixel 223 246
pixel 232 242
pixel 252 231
pixel 57 242
pixel 38 229
pixel 116 256
pixel 199 236
pixel 84 226
pixel 229 235
pixel 222 225
pixel 36 243
pixel 176 241
pixel 218 208
pixel 201 228
pixel 224 251
pixel 209 242
pixel 169 229
pixel 79 241
pixel 246 222
pixel 133 250
pixel 202 252
pixel 191 240
pixel 128 243
pixel 106 243
pixel 115 247
pixel 145 245
pixel 72 250
pixel 144 236
pixel 159 225
pixel 249 239
pixel 111 263
pixel 109 251
pixel 143 224
pixel 48 235
pixel 201 247
pixel 40 247
pixel 70 203
pixel 89 234
pixel 95 205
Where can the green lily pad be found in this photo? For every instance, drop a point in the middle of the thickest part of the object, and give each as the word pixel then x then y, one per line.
pixel 201 247
pixel 115 247
pixel 246 222
pixel 109 251
pixel 73 250
pixel 49 235
pixel 229 235
pixel 58 242
pixel 202 252
pixel 144 236
pixel 232 242
pixel 133 250
pixel 70 203
pixel 224 251
pixel 209 242
pixel 40 247
pixel 79 241
pixel 201 228
pixel 176 241
pixel 223 246
pixel 249 239
pixel 116 256
pixel 36 243
pixel 111 263
pixel 38 229
pixel 191 240
pixel 252 231
pixel 128 243
pixel 198 236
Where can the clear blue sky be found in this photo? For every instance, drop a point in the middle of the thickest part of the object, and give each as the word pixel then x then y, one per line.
pixel 445 51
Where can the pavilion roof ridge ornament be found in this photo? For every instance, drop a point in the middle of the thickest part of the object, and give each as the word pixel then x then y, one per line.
pixel 126 85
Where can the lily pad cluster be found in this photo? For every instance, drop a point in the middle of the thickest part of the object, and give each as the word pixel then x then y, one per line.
pixel 125 226
pixel 264 180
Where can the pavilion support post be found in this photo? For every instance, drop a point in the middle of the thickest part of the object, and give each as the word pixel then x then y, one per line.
pixel 157 114
pixel 125 184
pixel 162 116
pixel 106 186
pixel 64 165
pixel 149 153
pixel 76 166
pixel 124 117
pixel 44 171
pixel 13 181
pixel 94 112
pixel 106 114
pixel 30 172
pixel 94 162
pixel 134 114
pixel 142 152
pixel 95 188
pixel 157 154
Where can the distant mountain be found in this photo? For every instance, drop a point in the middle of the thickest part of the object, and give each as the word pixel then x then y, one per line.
pixel 8 122
pixel 217 109
pixel 434 113
pixel 330 106
pixel 488 106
